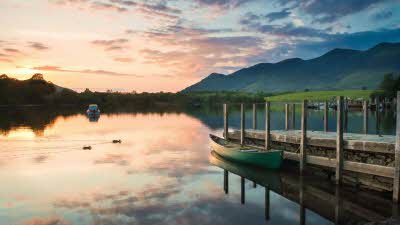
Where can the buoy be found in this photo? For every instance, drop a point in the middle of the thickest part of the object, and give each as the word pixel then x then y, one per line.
pixel 116 141
pixel 87 147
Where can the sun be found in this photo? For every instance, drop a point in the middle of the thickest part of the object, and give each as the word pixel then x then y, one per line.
pixel 26 70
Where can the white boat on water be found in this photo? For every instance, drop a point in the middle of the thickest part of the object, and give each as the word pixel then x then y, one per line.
pixel 93 110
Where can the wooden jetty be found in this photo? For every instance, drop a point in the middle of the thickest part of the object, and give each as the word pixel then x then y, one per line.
pixel 372 161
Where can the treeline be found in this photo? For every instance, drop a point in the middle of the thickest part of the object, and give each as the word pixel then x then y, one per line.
pixel 38 91
pixel 389 86
pixel 153 99
pixel 31 91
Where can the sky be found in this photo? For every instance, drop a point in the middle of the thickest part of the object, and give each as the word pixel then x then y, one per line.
pixel 160 45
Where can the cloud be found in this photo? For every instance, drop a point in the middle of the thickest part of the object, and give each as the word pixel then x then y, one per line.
pixel 109 42
pixel 288 30
pixel 40 158
pixel 107 6
pixel 199 55
pixel 225 4
pixel 46 221
pixel 308 48
pixel 112 45
pixel 71 203
pixel 327 11
pixel 6 60
pixel 37 46
pixel 358 40
pixel 383 15
pixel 158 9
pixel 284 13
pixel 85 71
pixel 12 50
pixel 123 59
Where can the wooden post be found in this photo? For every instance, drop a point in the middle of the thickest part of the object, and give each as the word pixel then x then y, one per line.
pixel 254 116
pixel 267 126
pixel 254 184
pixel 377 116
pixel 226 181
pixel 226 121
pixel 242 191
pixel 396 180
pixel 339 140
pixel 294 116
pixel 242 123
pixel 267 203
pixel 286 116
pixel 303 140
pixel 365 108
pixel 326 116
pixel 346 118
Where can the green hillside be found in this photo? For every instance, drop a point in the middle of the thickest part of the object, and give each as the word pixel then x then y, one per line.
pixel 336 70
pixel 322 95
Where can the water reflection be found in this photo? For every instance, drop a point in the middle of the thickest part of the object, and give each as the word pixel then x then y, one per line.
pixel 38 119
pixel 316 200
pixel 159 174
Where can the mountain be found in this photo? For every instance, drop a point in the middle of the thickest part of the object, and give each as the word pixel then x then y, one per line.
pixel 337 69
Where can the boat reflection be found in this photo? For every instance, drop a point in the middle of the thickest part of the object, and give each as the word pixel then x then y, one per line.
pixel 340 206
pixel 93 118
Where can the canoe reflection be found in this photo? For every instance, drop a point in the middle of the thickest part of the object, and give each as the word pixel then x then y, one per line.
pixel 321 197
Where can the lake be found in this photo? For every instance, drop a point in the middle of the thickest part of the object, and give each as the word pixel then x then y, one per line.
pixel 161 173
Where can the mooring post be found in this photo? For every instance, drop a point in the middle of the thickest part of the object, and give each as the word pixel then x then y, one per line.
pixel 396 179
pixel 377 119
pixel 286 116
pixel 242 123
pixel 254 116
pixel 339 140
pixel 326 116
pixel 267 203
pixel 365 109
pixel 226 181
pixel 346 114
pixel 294 116
pixel 242 191
pixel 226 121
pixel 267 126
pixel 303 140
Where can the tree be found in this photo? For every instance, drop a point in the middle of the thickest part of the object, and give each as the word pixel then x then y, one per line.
pixel 389 85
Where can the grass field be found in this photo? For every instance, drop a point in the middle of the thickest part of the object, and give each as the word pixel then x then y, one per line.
pixel 321 95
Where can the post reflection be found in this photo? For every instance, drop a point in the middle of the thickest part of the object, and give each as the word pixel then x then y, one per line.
pixel 301 202
pixel 242 190
pixel 266 203
pixel 308 196
pixel 226 181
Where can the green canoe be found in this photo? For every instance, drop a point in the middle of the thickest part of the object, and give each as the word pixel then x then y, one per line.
pixel 266 178
pixel 271 159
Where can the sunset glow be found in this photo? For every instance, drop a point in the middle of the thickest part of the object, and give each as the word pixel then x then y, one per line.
pixel 163 45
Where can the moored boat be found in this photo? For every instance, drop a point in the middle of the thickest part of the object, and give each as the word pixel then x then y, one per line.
pixel 93 110
pixel 271 159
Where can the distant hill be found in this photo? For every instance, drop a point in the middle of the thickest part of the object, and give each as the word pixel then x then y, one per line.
pixel 35 90
pixel 337 69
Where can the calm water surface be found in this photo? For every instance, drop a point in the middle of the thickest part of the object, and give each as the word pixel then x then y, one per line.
pixel 161 173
